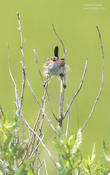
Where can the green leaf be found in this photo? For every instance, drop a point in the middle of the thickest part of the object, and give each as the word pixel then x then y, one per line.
pixel 21 171
pixel 93 154
pixel 71 140
pixel 30 172
pixel 59 131
pixel 77 142
pixel 106 152
pixel 2 169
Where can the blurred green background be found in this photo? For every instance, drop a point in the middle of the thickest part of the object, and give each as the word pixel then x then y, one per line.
pixel 75 22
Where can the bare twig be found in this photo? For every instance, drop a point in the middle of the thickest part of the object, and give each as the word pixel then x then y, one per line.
pixel 51 125
pixel 62 84
pixel 51 108
pixel 38 168
pixel 36 125
pixel 41 165
pixel 45 168
pixel 23 65
pixel 61 103
pixel 60 40
pixel 67 121
pixel 42 121
pixel 97 98
pixel 50 155
pixel 39 171
pixel 1 111
pixel 39 103
pixel 41 125
pixel 38 66
pixel 35 128
pixel 41 109
pixel 19 103
pixel 80 86
pixel 36 147
pixel 16 91
pixel 32 90
pixel 16 95
pixel 23 131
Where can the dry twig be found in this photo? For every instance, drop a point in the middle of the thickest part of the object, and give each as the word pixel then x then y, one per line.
pixel 62 86
pixel 67 121
pixel 44 83
pixel 23 65
pixel 47 150
pixel 61 104
pixel 64 51
pixel 1 111
pixel 97 98
pixel 36 126
pixel 80 86
pixel 16 91
pixel 45 168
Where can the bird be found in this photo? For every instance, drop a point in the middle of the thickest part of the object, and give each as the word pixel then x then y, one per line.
pixel 56 66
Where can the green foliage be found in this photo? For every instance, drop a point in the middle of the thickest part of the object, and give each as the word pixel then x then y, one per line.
pixel 12 152
pixel 71 161
pixel 106 152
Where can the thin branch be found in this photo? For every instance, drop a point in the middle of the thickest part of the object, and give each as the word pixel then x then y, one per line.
pixel 47 150
pixel 23 131
pixel 39 103
pixel 80 86
pixel 41 165
pixel 60 40
pixel 16 91
pixel 32 90
pixel 51 125
pixel 67 121
pixel 16 95
pixel 43 111
pixel 42 121
pixel 23 65
pixel 39 171
pixel 38 168
pixel 97 98
pixel 37 124
pixel 41 125
pixel 51 108
pixel 35 127
pixel 45 168
pixel 1 111
pixel 38 66
pixel 36 147
pixel 61 103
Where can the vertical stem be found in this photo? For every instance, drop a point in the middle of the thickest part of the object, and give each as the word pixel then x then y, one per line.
pixel 61 103
pixel 67 121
